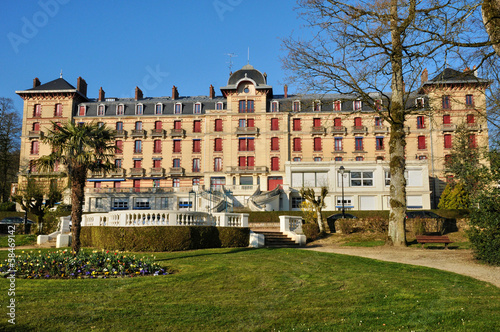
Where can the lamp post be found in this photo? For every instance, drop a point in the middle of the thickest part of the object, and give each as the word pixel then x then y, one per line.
pixel 193 203
pixel 342 171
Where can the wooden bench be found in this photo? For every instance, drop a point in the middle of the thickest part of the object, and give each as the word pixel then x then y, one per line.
pixel 433 239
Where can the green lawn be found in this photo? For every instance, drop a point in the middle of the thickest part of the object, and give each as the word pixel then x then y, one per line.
pixel 21 240
pixel 260 290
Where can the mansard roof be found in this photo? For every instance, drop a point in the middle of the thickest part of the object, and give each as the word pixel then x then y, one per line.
pixel 248 72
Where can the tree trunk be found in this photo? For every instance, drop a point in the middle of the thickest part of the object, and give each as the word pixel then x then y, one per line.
pixel 397 142
pixel 77 198
pixel 491 19
pixel 320 221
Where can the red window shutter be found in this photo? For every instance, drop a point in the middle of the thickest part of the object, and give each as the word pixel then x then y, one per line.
pixel 275 124
pixel 446 119
pixel 317 122
pixel 337 122
pixel 357 122
pixel 447 141
pixel 137 163
pixel 119 147
pixel 242 145
pixel 158 125
pixel 177 146
pixel 421 142
pixel 242 161
pixel 218 125
pixel 36 126
pixel 470 118
pixel 317 144
pixel 218 144
pixel 275 144
pixel 472 141
pixel 196 145
pixel 297 146
pixel 82 111
pixel 197 127
pixel 296 124
pixel 251 145
pixel 275 164
pixel 177 125
pixel 251 161
pixel 157 147
pixel 250 123
pixel 156 163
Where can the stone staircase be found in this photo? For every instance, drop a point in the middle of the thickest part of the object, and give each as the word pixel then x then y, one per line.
pixel 278 240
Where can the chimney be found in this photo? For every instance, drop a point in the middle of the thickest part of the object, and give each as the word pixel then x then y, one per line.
pixel 175 93
pixel 101 94
pixel 81 86
pixel 138 93
pixel 286 90
pixel 212 92
pixel 425 76
pixel 36 82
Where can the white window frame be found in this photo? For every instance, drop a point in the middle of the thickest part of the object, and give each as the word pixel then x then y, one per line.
pixel 161 108
pixel 318 103
pixel 274 102
pixel 339 102
pixel 293 105
pixel 362 179
pixel 180 108
pixel 194 108
pixel 118 108
pixel 355 108
pixel 419 100
pixel 99 109
pixel 85 110
pixel 221 106
pixel 137 109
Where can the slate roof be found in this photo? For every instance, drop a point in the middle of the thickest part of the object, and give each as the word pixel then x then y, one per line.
pixel 454 76
pixel 248 71
pixel 58 84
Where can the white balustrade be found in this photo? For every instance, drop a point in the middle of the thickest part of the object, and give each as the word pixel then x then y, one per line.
pixel 292 226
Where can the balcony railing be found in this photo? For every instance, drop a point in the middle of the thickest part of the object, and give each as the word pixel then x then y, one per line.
pixel 339 130
pixel 359 130
pixel 318 130
pixel 449 127
pixel 120 133
pixel 137 172
pixel 176 171
pixel 117 172
pixel 247 131
pixel 128 190
pixel 246 169
pixel 474 126
pixel 157 133
pixel 380 130
pixel 157 171
pixel 177 133
pixel 138 133
pixel 35 134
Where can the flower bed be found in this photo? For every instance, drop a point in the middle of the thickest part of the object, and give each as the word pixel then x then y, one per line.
pixel 95 264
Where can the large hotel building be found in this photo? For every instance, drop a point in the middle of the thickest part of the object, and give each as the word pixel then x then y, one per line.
pixel 250 147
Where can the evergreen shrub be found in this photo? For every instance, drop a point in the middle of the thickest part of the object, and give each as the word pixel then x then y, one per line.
pixel 311 231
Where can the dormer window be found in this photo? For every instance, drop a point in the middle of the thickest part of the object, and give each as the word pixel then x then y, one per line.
pixel 296 106
pixel 158 109
pixel 275 106
pixel 317 106
pixel 178 108
pixel 100 110
pixel 139 109
pixel 119 109
pixel 219 106
pixel 419 102
pixel 197 108
pixel 337 105
pixel 81 110
pixel 357 105
pixel 378 104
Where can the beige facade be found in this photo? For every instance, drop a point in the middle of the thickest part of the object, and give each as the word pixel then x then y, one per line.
pixel 242 140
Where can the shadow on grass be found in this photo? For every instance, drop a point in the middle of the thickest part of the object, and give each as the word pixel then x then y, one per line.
pixel 203 252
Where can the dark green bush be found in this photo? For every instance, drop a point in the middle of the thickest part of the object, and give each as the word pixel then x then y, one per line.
pixel 8 206
pixel 171 238
pixel 377 224
pixel 311 231
pixel 419 226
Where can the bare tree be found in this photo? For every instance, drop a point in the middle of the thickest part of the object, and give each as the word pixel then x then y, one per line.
pixel 10 127
pixel 317 203
pixel 490 10
pixel 364 48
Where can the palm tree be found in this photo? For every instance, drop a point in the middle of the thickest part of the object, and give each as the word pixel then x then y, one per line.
pixel 80 148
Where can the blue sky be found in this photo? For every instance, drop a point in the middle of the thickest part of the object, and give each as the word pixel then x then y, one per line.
pixel 151 44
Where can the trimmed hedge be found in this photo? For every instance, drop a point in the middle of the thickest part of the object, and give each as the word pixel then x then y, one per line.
pixel 157 238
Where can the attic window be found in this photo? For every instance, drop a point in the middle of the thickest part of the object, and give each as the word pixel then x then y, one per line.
pixel 197 108
pixel 337 105
pixel 296 106
pixel 178 108
pixel 219 106
pixel 119 109
pixel 419 102
pixel 317 106
pixel 139 109
pixel 158 108
pixel 81 111
pixel 357 105
pixel 100 110
pixel 274 106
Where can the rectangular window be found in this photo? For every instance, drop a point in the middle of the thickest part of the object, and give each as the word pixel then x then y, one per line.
pixel 119 147
pixel 445 100
pixel 37 111
pixel 446 119
pixel 275 144
pixel 421 143
pixel 472 141
pixel 358 122
pixel 274 106
pixel 447 141
pixel 197 126
pixel 176 182
pixel 338 144
pixel 177 145
pixel 120 203
pixel 118 163
pixel 470 118
pixel 420 122
pixel 158 109
pixel 358 143
pixel 296 202
pixel 317 143
pixel 156 183
pixel 275 164
pixel 176 163
pixel 177 125
pixel 357 105
pixel 178 108
pixel 139 109
pixel 34 147
pixel 250 161
pixel 157 146
pixel 217 164
pixel 296 106
pixel 337 105
pixel 196 165
pixel 119 110
pixel 337 122
pixel 196 181
pixel 361 179
pixel 338 158
pixel 119 126
pixel 242 162
pixel 219 106
pixel 138 147
pixel 316 122
pixel 275 125
pixel 246 106
pixel 138 125
pixel 379 143
pixel 58 110
pixel 469 100
pixel 138 163
pixel 196 145
pixel 250 123
pixel 317 106
pixel 218 144
pixel 197 108
pixel 378 121
pixel 157 163
pixel 296 125
pixel 318 159
pixel 246 144
pixel 297 144
pixel 218 124
pixel 82 111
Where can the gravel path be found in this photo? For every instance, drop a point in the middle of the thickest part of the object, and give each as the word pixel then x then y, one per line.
pixel 458 261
